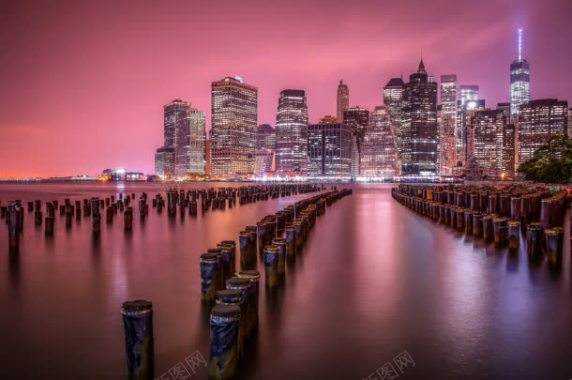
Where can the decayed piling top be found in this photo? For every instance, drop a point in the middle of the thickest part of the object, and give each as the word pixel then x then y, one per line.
pixel 136 307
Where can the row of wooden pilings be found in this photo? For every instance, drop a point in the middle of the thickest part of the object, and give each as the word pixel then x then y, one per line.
pixel 496 214
pixel 233 294
pixel 110 207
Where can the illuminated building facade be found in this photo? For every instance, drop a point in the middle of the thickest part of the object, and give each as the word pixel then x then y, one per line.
pixel 174 157
pixel 509 148
pixel 539 121
pixel 393 101
pixel 292 134
pixel 265 150
pixel 233 128
pixel 343 100
pixel 420 148
pixel 519 82
pixel 485 154
pixel 329 149
pixel 379 156
pixel 190 145
pixel 357 119
pixel 467 100
pixel 468 111
pixel 175 117
pixel 447 120
pixel 165 161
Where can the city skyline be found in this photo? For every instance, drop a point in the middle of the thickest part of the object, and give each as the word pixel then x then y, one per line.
pixel 119 111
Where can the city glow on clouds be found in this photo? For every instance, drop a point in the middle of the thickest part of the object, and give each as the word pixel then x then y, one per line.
pixel 83 83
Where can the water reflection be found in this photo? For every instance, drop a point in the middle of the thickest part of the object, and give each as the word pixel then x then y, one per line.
pixel 374 279
pixel 14 268
pixel 513 259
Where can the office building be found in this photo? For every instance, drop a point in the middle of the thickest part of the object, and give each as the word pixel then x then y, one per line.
pixel 165 162
pixel 539 121
pixel 447 121
pixel 393 102
pixel 379 156
pixel 420 147
pixel 233 128
pixel 485 154
pixel 329 149
pixel 292 134
pixel 190 143
pixel 357 119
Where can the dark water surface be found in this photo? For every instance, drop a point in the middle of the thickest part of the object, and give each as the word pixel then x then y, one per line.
pixel 375 279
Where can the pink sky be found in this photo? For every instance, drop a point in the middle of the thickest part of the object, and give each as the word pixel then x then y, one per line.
pixel 83 82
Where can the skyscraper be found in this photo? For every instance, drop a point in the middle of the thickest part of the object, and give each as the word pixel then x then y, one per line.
pixel 539 121
pixel 165 161
pixel 265 150
pixel 509 147
pixel 420 148
pixel 233 127
pixel 393 101
pixel 343 100
pixel 469 110
pixel 175 114
pixel 468 93
pixel 379 156
pixel 183 152
pixel 175 119
pixel 196 147
pixel 292 134
pixel 519 82
pixel 468 100
pixel 447 117
pixel 190 136
pixel 356 118
pixel 329 149
pixel 486 153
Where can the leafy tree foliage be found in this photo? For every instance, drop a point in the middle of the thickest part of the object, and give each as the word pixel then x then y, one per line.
pixel 551 162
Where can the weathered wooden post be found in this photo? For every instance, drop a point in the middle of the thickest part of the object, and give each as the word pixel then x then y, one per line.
pixel 224 341
pixel 138 328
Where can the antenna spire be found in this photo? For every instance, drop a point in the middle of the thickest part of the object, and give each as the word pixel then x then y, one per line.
pixel 520 44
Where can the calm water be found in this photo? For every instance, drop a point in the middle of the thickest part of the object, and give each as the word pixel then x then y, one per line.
pixel 375 279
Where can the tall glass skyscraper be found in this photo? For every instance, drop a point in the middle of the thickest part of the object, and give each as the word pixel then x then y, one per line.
pixel 292 134
pixel 467 101
pixel 329 149
pixel 191 158
pixel 357 119
pixel 447 116
pixel 393 101
pixel 420 148
pixel 343 100
pixel 233 128
pixel 175 116
pixel 519 82
pixel 379 156
pixel 183 152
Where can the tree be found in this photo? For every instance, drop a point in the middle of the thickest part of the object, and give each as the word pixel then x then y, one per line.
pixel 552 162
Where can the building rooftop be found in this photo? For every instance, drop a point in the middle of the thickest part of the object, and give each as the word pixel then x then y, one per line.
pixel 395 82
